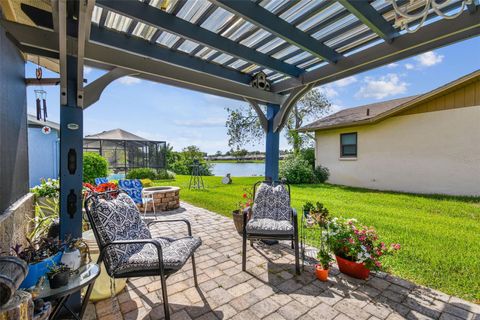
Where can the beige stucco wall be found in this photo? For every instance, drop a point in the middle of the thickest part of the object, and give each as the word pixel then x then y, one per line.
pixel 432 152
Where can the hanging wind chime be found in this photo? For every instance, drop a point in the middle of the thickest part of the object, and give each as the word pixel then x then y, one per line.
pixel 40 98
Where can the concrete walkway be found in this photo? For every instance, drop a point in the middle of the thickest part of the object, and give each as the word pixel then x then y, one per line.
pixel 269 289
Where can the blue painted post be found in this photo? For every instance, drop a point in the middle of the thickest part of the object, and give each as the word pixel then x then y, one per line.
pixel 272 148
pixel 71 158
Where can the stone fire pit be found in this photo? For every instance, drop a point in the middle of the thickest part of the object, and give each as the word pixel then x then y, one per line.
pixel 165 198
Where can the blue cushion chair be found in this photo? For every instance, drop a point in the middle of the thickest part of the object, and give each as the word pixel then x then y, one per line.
pixel 134 189
pixel 99 181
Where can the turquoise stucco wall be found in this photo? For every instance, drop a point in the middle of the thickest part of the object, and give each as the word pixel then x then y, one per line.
pixel 43 155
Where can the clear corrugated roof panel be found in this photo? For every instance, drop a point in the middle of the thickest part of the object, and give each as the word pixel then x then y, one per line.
pixel 300 8
pixel 271 45
pixel 284 52
pixel 335 26
pixel 239 31
pixel 159 3
pixel 193 9
pixel 255 38
pixel 308 63
pixel 187 46
pixel 298 57
pixel 117 21
pixel 273 5
pixel 316 66
pixel 167 39
pixel 206 53
pixel 96 14
pixel 221 59
pixel 144 31
pixel 347 35
pixel 380 4
pixel 321 16
pixel 217 20
pixel 238 64
pixel 250 68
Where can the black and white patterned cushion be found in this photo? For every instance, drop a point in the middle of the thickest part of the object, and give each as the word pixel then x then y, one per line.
pixel 269 226
pixel 271 212
pixel 119 219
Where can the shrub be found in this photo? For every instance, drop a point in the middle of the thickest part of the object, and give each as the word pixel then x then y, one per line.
pixel 141 173
pixel 146 183
pixel 321 174
pixel 309 155
pixel 164 174
pixel 296 170
pixel 94 166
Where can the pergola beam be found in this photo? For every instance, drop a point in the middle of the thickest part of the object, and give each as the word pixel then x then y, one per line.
pixel 370 17
pixel 429 37
pixel 285 109
pixel 149 68
pixel 160 19
pixel 84 25
pixel 267 20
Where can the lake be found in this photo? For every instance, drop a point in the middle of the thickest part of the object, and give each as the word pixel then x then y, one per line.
pixel 238 169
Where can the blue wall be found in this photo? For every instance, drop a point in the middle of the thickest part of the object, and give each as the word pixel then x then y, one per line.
pixel 42 155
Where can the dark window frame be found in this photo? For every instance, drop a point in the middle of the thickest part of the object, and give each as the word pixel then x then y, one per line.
pixel 349 155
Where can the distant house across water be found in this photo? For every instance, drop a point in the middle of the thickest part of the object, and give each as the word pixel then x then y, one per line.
pixel 423 144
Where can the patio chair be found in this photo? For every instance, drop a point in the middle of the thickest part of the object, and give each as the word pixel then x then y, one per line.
pixel 99 181
pixel 134 188
pixel 270 218
pixel 127 247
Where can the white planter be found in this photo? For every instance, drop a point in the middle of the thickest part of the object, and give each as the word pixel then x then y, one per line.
pixel 72 259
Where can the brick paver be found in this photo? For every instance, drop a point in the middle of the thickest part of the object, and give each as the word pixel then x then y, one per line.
pixel 269 289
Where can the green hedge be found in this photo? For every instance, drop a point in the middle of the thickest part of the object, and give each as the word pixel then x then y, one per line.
pixel 94 166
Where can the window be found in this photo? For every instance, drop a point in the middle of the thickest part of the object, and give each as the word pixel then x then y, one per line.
pixel 348 145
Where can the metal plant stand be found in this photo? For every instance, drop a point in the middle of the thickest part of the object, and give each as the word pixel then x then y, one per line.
pixel 308 253
pixel 196 180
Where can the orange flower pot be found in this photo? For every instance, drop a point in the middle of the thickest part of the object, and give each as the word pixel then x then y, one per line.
pixel 353 269
pixel 322 274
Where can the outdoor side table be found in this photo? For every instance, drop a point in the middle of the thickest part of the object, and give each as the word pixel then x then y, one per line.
pixel 86 276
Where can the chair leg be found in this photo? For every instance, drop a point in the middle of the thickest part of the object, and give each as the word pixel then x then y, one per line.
pixel 194 268
pixel 244 253
pixel 293 244
pixel 251 243
pixel 165 297
pixel 297 256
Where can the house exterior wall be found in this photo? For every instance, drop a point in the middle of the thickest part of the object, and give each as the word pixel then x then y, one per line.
pixel 13 125
pixel 43 155
pixel 424 152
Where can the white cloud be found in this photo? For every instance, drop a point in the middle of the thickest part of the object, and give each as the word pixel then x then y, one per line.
pixel 208 122
pixel 345 81
pixel 87 70
pixel 392 65
pixel 429 59
pixel 129 80
pixel 409 66
pixel 329 91
pixel 382 87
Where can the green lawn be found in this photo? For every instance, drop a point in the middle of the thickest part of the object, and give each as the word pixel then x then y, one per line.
pixel 440 235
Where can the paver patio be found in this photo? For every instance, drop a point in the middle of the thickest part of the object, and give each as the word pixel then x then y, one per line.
pixel 269 289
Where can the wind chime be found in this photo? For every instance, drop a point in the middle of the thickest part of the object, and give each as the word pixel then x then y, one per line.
pixel 40 98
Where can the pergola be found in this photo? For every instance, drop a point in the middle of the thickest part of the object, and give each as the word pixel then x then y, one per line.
pixel 216 47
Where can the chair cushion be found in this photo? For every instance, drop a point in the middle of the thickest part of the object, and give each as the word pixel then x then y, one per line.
pixel 175 253
pixel 272 202
pixel 119 219
pixel 269 226
pixel 99 181
pixel 133 188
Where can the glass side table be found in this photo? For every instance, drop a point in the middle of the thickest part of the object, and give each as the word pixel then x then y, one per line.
pixel 85 276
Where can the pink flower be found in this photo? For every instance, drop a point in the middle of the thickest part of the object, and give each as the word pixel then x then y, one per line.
pixel 362 238
pixel 396 246
pixel 378 264
pixel 351 240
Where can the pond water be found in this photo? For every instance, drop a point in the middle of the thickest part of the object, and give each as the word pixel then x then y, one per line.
pixel 238 169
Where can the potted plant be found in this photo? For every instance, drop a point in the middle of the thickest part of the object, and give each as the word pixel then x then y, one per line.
pixel 320 214
pixel 58 275
pixel 45 192
pixel 237 214
pixel 324 262
pixel 357 248
pixel 307 208
pixel 40 255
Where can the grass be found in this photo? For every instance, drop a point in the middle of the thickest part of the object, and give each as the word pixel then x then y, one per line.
pixel 440 235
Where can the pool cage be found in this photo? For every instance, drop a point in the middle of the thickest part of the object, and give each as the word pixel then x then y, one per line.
pixel 126 151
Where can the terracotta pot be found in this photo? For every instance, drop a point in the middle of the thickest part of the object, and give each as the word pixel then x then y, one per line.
pixel 353 269
pixel 322 274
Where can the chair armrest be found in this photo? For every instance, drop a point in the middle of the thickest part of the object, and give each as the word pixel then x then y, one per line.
pixel 155 242
pixel 173 220
pixel 294 219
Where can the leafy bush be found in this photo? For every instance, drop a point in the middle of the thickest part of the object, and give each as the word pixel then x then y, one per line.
pixel 296 170
pixel 146 183
pixel 181 162
pixel 94 166
pixel 309 155
pixel 321 174
pixel 49 188
pixel 164 174
pixel 141 173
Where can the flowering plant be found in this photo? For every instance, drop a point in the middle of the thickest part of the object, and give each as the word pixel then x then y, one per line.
pixel 247 201
pixel 49 188
pixel 356 243
pixel 103 187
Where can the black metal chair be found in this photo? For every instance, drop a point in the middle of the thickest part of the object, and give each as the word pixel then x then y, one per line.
pixel 126 244
pixel 270 218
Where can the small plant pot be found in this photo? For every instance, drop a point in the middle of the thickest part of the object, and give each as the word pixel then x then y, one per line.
pixel 238 221
pixel 353 269
pixel 58 280
pixel 320 273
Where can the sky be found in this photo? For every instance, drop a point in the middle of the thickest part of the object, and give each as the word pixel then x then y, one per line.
pixel 183 117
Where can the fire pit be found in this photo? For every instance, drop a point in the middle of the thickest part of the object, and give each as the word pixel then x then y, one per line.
pixel 165 198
